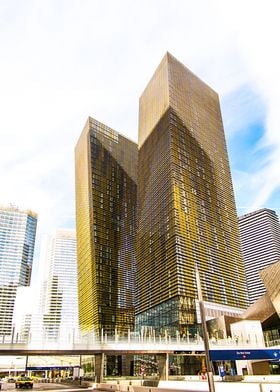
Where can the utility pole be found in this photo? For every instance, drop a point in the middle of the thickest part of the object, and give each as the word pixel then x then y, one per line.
pixel 209 372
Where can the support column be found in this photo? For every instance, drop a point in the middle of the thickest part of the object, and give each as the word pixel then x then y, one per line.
pixel 26 363
pixel 127 362
pixel 99 367
pixel 163 366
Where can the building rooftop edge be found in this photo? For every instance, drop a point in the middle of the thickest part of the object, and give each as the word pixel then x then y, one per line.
pixel 12 207
pixel 86 129
pixel 255 213
pixel 165 57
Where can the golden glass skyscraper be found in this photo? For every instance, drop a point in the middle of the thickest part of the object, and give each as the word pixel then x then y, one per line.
pixel 106 176
pixel 186 208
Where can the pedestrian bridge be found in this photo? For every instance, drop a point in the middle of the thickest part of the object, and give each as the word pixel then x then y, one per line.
pixel 219 350
pixel 162 348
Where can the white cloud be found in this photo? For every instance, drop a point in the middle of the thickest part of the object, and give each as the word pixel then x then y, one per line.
pixel 257 29
pixel 62 61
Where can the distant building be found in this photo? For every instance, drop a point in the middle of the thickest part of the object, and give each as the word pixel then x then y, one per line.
pixel 186 207
pixel 24 308
pixel 17 240
pixel 106 185
pixel 59 295
pixel 260 240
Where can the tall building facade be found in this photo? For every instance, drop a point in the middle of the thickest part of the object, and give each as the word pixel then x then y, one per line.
pixel 17 240
pixel 106 178
pixel 59 291
pixel 260 241
pixel 186 207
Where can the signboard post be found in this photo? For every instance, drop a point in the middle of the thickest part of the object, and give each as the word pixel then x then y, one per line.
pixel 210 377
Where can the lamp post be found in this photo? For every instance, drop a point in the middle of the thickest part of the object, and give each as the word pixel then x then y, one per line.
pixel 204 333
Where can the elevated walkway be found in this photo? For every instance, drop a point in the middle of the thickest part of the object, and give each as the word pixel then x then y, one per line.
pixel 118 346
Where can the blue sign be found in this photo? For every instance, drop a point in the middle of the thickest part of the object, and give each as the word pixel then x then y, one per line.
pixel 235 355
pixel 49 367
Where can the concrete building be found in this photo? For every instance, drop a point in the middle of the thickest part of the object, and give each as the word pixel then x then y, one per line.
pixel 59 291
pixel 260 240
pixel 17 240
pixel 271 278
pixel 267 307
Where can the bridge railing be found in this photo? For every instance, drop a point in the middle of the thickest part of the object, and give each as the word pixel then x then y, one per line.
pixel 122 343
pixel 74 338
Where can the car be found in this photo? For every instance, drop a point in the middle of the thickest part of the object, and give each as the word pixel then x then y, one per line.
pixel 24 382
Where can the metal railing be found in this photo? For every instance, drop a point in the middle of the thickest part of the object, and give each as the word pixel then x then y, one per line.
pixel 88 340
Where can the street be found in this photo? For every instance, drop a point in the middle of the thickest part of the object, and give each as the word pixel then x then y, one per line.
pixel 43 387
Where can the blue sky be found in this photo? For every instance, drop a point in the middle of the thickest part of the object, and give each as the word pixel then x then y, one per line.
pixel 63 60
pixel 244 123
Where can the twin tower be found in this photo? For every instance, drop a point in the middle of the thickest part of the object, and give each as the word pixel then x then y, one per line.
pixel 148 213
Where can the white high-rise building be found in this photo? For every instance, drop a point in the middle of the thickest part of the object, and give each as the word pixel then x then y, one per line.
pixel 59 290
pixel 260 241
pixel 17 240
